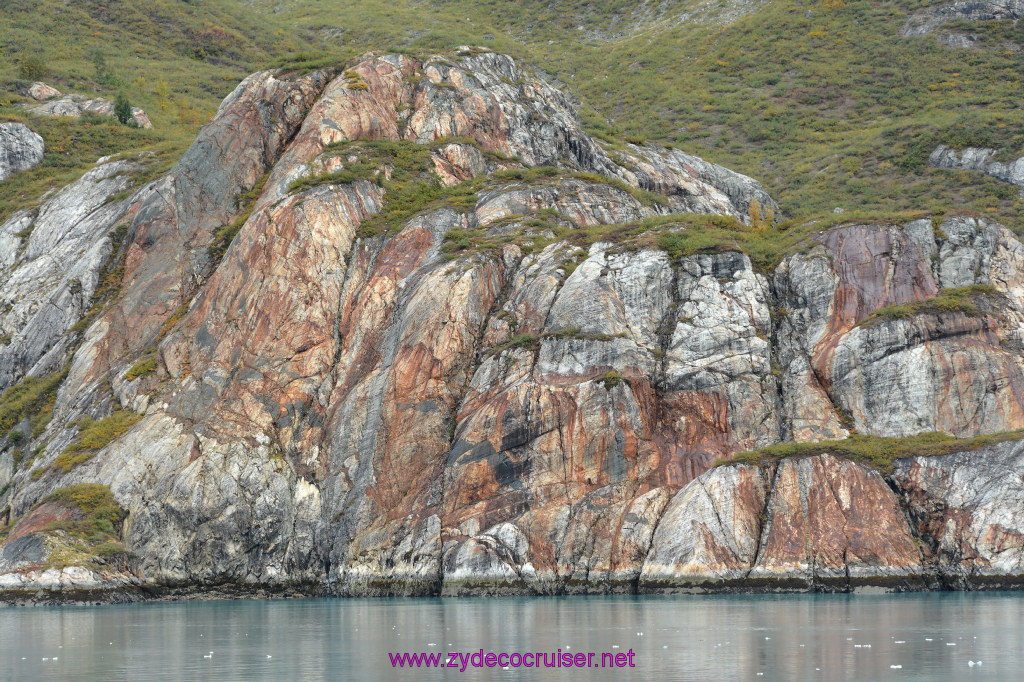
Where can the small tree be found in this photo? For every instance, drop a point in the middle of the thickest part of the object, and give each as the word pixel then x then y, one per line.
pixel 32 68
pixel 122 109
pixel 99 63
pixel 761 217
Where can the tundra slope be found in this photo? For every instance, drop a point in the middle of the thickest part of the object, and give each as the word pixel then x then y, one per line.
pixel 346 407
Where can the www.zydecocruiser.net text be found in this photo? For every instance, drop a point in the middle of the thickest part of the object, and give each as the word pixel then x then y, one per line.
pixel 463 660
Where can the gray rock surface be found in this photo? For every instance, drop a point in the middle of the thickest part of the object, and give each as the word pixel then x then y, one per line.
pixel 20 149
pixel 979 159
pixel 968 507
pixel 927 20
pixel 50 271
pixel 76 105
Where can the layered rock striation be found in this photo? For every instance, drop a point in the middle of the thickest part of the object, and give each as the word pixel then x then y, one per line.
pixel 408 329
pixel 20 149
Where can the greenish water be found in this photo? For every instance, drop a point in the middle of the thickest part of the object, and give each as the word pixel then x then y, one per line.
pixel 795 637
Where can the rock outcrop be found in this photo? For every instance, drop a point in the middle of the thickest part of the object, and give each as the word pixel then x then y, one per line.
pixel 53 102
pixel 408 329
pixel 822 523
pixel 50 268
pixel 979 159
pixel 41 92
pixel 926 21
pixel 20 149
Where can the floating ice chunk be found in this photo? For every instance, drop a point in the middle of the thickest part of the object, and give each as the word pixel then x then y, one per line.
pixel 970 664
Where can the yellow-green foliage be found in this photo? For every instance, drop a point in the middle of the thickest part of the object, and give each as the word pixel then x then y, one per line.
pixel 679 235
pixel 245 203
pixel 142 368
pixel 111 276
pixel 610 380
pixel 95 534
pixel 521 341
pixel 873 451
pixel 837 109
pixel 72 147
pixel 959 300
pixel 174 319
pixel 31 397
pixel 761 217
pixel 94 435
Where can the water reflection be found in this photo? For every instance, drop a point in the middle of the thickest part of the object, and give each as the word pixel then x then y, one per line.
pixel 806 637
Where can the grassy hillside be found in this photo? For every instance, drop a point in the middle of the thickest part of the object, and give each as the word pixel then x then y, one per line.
pixel 823 101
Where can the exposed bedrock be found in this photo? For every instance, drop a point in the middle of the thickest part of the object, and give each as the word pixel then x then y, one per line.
pixel 476 397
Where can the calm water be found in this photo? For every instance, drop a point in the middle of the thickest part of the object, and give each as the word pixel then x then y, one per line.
pixel 805 637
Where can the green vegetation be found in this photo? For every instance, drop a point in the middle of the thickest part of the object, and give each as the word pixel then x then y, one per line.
pixel 32 68
pixel 575 333
pixel 959 300
pixel 245 203
pixel 408 162
pixel 93 435
pixel 610 380
pixel 123 109
pixel 873 451
pixel 532 343
pixel 72 147
pixel 94 536
pixel 32 397
pixel 142 368
pixel 110 277
pixel 521 341
pixel 836 109
pixel 680 235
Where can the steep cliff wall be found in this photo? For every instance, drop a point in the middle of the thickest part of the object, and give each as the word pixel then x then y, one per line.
pixel 408 329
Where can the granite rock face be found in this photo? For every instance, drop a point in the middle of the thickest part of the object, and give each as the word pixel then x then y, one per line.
pixel 899 374
pixel 820 522
pixel 968 515
pixel 20 149
pixel 51 265
pixel 508 388
pixel 979 159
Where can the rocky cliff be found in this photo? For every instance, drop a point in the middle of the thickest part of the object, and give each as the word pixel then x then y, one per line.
pixel 406 328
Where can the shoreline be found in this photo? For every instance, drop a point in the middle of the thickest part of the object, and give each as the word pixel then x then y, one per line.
pixel 182 592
